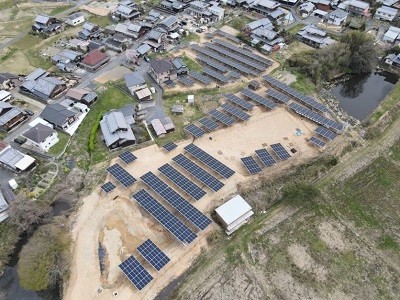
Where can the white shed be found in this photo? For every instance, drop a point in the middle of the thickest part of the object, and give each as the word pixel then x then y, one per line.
pixel 190 99
pixel 234 213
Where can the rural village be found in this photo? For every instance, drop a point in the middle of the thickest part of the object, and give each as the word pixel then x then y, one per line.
pixel 177 149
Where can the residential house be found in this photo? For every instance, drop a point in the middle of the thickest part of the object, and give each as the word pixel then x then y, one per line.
pixel 199 9
pixel 67 60
pixel 36 74
pixel 156 39
pixel 358 8
pixel 77 44
pixel 264 7
pixel 75 19
pixel 168 124
pixel 306 9
pixel 314 37
pixel 143 49
pixel 393 60
pixel 59 116
pixel 262 23
pixel 135 82
pixel 3 208
pixel 15 160
pixel 337 17
pixel 391 35
pixel 96 45
pixel 158 128
pixel 116 128
pixel 180 66
pixel 44 88
pixel 324 5
pixel 117 42
pixel 41 137
pixel 46 25
pixel 153 16
pixel 131 30
pixel 386 13
pixel 162 70
pixel 89 31
pixel 391 3
pixel 9 81
pixel 143 95
pixel 5 96
pixel 217 12
pixel 94 60
pixel 170 24
pixel 127 12
pixel 85 95
pixel 10 116
pixel 173 6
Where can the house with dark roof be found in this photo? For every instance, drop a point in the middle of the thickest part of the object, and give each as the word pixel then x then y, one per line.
pixel 46 25
pixel 40 137
pixel 118 42
pixel 94 60
pixel 162 70
pixel 85 95
pixel 116 127
pixel 314 37
pixel 89 31
pixel 131 30
pixel 10 116
pixel 180 66
pixel 127 12
pixel 170 24
pixel 43 88
pixel 15 160
pixel 156 39
pixel 135 81
pixel 59 116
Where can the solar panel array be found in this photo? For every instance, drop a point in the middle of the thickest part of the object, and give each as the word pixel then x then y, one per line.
pixel 280 151
pixel 127 157
pixel 317 141
pixel 317 118
pixel 209 124
pixel 135 272
pixel 234 75
pixel 215 75
pixel 199 173
pixel 194 130
pixel 209 161
pixel 223 51
pixel 153 255
pixel 258 99
pixel 199 77
pixel 326 133
pixel 277 96
pixel 212 63
pixel 165 217
pixel 221 117
pixel 239 101
pixel 186 209
pixel 120 174
pixel 170 146
pixel 182 182
pixel 234 111
pixel 251 165
pixel 296 94
pixel 265 157
pixel 243 52
pixel 108 187
pixel 185 80
pixel 228 62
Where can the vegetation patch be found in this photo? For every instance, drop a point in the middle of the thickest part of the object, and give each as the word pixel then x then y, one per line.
pixel 191 63
pixel 58 148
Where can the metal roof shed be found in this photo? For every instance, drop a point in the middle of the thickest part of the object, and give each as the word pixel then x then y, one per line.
pixel 234 213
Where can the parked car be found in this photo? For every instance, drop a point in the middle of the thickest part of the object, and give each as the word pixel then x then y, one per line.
pixel 146 58
pixel 19 140
pixel 29 112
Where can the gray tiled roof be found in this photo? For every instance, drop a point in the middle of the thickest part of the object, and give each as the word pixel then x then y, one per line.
pixel 8 112
pixel 115 128
pixel 39 133
pixel 134 79
pixel 56 114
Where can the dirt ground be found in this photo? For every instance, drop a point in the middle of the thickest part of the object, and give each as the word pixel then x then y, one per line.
pixel 100 8
pixel 114 74
pixel 120 225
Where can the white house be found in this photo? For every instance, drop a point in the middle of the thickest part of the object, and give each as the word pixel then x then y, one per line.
pixel 337 17
pixel 75 19
pixel 391 35
pixel 5 96
pixel 386 13
pixel 41 137
pixel 234 213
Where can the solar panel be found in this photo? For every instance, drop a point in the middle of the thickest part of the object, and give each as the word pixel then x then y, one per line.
pixel 182 182
pixel 234 75
pixel 221 117
pixel 239 101
pixel 186 209
pixel 277 96
pixel 251 165
pixel 265 157
pixel 280 151
pixel 237 112
pixel 153 255
pixel 209 124
pixel 108 187
pixel 120 174
pixel 209 161
pixel 258 99
pixel 135 272
pixel 165 217
pixel 194 130
pixel 215 75
pixel 185 80
pixel 212 64
pixel 317 142
pixel 296 94
pixel 127 157
pixel 313 116
pixel 199 173
pixel 169 146
pixel 326 133
pixel 203 79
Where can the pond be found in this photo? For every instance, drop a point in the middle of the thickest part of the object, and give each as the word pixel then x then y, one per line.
pixel 360 94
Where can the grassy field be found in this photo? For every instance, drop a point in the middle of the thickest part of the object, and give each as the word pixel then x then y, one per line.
pixel 295 29
pixel 102 21
pixel 190 37
pixel 388 104
pixel 303 84
pixel 239 23
pixel 191 63
pixel 58 148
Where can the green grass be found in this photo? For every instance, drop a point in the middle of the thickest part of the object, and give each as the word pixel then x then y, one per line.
pixel 102 21
pixel 58 148
pixel 58 10
pixel 111 98
pixel 387 105
pixel 27 42
pixel 239 23
pixel 8 55
pixel 37 60
pixel 9 236
pixel 395 151
pixel 295 29
pixel 303 84
pixel 4 4
pixel 191 37
pixel 191 63
pixel 386 242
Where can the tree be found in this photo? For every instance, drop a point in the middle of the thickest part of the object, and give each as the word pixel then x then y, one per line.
pixel 362 51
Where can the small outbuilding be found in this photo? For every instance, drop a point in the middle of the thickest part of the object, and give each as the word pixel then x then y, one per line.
pixel 234 213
